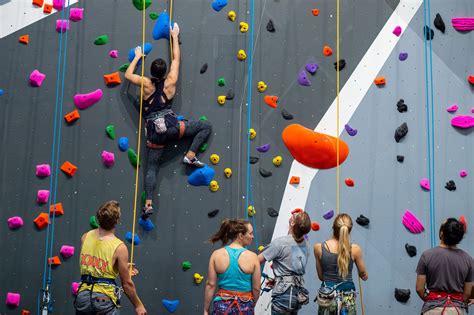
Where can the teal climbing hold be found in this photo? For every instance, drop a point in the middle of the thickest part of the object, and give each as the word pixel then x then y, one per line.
pixel 110 130
pixel 221 82
pixel 132 156
pixel 153 15
pixel 101 40
pixel 139 4
pixel 93 222
pixel 124 67
pixel 203 118
pixel 186 265
pixel 170 306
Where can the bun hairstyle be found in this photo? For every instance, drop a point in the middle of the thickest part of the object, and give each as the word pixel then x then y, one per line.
pixel 342 227
pixel 301 225
pixel 230 230
pixel 452 232
pixel 158 70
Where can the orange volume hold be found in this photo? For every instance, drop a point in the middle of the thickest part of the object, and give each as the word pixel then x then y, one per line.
pixel 271 100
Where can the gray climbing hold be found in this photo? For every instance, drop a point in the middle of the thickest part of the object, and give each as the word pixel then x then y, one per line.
pixel 401 106
pixel 270 26
pixel 401 132
pixel 439 23
pixel 272 212
pixel 286 115
pixel 203 68
pixel 264 172
pixel 411 250
pixel 230 94
pixel 253 159
pixel 213 213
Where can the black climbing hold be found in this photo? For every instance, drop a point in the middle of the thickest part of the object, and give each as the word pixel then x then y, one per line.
pixel 439 23
pixel 270 26
pixel 265 173
pixel 402 295
pixel 450 185
pixel 213 213
pixel 230 94
pixel 401 106
pixel 428 32
pixel 342 64
pixel 203 68
pixel 401 132
pixel 286 115
pixel 272 212
pixel 253 159
pixel 400 158
pixel 411 250
pixel 362 220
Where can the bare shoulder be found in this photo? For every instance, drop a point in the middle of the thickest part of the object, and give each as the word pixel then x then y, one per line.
pixel 317 248
pixel 249 254
pixel 356 249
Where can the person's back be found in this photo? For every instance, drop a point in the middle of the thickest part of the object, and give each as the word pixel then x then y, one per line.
pixel 331 273
pixel 234 269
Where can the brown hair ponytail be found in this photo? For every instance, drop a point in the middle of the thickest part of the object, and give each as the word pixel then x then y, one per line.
pixel 230 230
pixel 301 225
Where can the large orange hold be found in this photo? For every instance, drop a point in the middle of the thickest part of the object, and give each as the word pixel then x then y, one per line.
pixel 312 148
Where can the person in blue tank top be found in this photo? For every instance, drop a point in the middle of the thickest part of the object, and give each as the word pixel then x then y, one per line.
pixel 233 270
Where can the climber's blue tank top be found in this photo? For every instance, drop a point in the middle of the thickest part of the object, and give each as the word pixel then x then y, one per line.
pixel 234 279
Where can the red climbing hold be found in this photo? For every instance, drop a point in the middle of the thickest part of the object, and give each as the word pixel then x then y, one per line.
pixel 271 100
pixel 327 51
pixel 38 3
pixel 315 12
pixel 297 210
pixel 48 8
pixel 471 79
pixel 379 81
pixel 41 221
pixel 112 79
pixel 294 180
pixel 69 168
pixel 24 39
pixel 72 116
pixel 349 182
pixel 25 312
pixel 462 219
pixel 55 261
pixel 315 226
pixel 56 209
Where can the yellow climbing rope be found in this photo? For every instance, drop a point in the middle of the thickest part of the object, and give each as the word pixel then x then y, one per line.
pixel 338 175
pixel 171 38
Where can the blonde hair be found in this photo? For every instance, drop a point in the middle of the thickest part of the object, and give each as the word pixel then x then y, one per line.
pixel 342 227
pixel 108 215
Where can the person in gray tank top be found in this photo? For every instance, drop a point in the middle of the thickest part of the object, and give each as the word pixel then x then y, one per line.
pixel 335 259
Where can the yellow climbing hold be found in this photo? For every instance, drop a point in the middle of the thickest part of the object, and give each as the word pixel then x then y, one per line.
pixel 261 86
pixel 214 158
pixel 244 27
pixel 277 160
pixel 231 15
pixel 214 186
pixel 260 248
pixel 252 133
pixel 198 278
pixel 251 211
pixel 228 172
pixel 241 55
pixel 221 99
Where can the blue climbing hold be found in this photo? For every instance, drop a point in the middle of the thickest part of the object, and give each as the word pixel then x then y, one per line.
pixel 162 27
pixel 123 144
pixel 170 306
pixel 128 238
pixel 147 225
pixel 1 92
pixel 219 4
pixel 131 54
pixel 180 117
pixel 201 176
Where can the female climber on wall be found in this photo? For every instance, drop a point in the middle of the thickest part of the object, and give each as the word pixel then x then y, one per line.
pixel 335 259
pixel 162 125
pixel 233 270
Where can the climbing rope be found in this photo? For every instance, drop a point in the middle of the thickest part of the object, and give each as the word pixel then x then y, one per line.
pixel 338 82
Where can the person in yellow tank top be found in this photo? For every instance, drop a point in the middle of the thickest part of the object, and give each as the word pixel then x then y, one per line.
pixel 104 257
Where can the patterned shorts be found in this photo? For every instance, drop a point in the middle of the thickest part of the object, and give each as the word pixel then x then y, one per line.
pixel 221 307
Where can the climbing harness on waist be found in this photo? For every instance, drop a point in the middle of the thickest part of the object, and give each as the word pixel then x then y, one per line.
pixel 92 281
pixel 160 122
pixel 236 297
pixel 331 298
pixel 448 299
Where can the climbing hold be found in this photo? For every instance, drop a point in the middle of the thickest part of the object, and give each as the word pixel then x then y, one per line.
pixel 252 133
pixel 180 117
pixel 264 172
pixel 251 211
pixel 203 118
pixel 428 32
pixel 62 26
pixel 272 212
pixel 37 78
pixel 113 53
pixel 41 221
pixel 124 67
pixel 146 224
pixel 110 131
pixel 463 24
pixel 313 149
pixel 13 299
pixel 203 68
pixel 411 250
pixel 303 79
pixel 379 81
pixel 340 65
pixel 403 56
pixel 58 4
pixel 136 238
pixel 24 39
pixel 138 4
pixel 450 185
pixel 213 213
pixel 162 26
pixel 214 185
pixel 72 116
pixel 277 160
pixel 439 23
pixel 350 131
pixel 186 265
pixel 311 67
pixel 43 170
pixel 401 132
pixel 315 226
pixel 67 251
pixel 93 222
pixel 146 50
pixel 83 101
pixel 153 15
pixel 231 15
pixel 228 172
pixel 201 176
pixel 38 3
pixel 230 94
pixel 412 223
pixel 56 210
pixel 1 92
pixel 349 182
pixel 425 183
pixel 261 86
pixel 271 100
pixel 401 106
pixel 270 26
pixel 123 144
pixel 244 27
pixel 68 168
pixel 463 221
pixel 241 55
pixel 402 295
pixel 170 306
pixel 362 220
pixel 397 31
pixel 328 214
pixel 42 196
pixel 260 248
pixel 203 147
pixel 221 82
pixel 463 173
pixel 112 79
pixel 198 278
pixel 327 51
pixel 75 288
pixel 315 12
pixel 133 158
pixel 214 158
pixel 221 99
pixel 101 40
pixel 286 115
pixel 108 158
pixel 452 109
pixel 76 14
pixel 294 180
pixel 463 122
pixel 48 8
pixel 400 158
pixel 15 223
pixel 218 5
pixel 297 210
pixel 263 148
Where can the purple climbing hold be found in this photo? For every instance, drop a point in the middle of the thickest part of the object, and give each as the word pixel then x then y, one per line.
pixel 328 215
pixel 264 148
pixel 452 108
pixel 303 79
pixel 397 31
pixel 403 56
pixel 351 131
pixel 311 67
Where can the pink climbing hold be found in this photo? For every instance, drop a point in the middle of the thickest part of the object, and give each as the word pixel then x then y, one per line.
pixel 43 170
pixel 397 31
pixel 15 223
pixel 425 184
pixel 463 173
pixel 113 53
pixel 58 4
pixel 37 78
pixel 67 251
pixel 83 101
pixel 463 24
pixel 412 223
pixel 75 287
pixel 472 110
pixel 62 26
pixel 76 14
pixel 13 299
pixel 463 122
pixel 43 196
pixel 452 108
pixel 108 158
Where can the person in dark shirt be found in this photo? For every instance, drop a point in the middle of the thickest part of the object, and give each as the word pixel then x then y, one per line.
pixel 444 278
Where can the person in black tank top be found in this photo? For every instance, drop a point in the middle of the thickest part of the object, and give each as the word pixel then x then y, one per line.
pixel 161 123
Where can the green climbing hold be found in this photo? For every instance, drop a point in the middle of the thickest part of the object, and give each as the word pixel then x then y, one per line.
pixel 203 147
pixel 101 40
pixel 221 82
pixel 93 222
pixel 186 265
pixel 132 156
pixel 124 67
pixel 110 130
pixel 143 198
pixel 139 4
pixel 153 15
pixel 203 118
